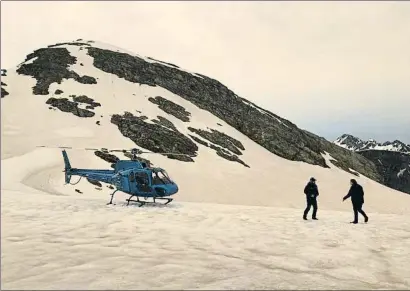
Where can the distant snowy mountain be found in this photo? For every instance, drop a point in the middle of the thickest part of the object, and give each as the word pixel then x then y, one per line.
pixel 353 143
pixel 392 159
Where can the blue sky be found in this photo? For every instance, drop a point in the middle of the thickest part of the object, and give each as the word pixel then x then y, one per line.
pixel 330 67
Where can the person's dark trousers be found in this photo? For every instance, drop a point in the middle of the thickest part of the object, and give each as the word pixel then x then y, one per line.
pixel 310 202
pixel 357 208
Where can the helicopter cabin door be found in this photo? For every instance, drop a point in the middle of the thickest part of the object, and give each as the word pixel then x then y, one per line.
pixel 142 182
pixel 130 185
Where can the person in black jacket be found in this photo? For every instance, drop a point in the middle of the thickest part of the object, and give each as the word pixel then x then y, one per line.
pixel 311 191
pixel 356 194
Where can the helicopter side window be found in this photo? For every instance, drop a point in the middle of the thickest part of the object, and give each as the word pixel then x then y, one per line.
pixel 131 177
pixel 164 178
pixel 156 180
pixel 142 178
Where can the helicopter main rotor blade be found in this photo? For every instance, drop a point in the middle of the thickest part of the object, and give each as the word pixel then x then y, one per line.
pixel 70 148
pixel 88 149
pixel 131 151
pixel 174 154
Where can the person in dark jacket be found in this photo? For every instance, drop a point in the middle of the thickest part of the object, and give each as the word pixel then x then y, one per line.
pixel 356 194
pixel 311 191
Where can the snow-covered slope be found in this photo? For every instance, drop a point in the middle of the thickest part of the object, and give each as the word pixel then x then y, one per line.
pixel 54 237
pixel 353 143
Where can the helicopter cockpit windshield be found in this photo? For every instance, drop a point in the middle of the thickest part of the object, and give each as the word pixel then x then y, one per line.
pixel 160 177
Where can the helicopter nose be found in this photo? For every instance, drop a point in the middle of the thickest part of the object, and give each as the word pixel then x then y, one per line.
pixel 173 188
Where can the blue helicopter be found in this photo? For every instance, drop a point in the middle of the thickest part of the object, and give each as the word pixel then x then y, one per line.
pixel 133 177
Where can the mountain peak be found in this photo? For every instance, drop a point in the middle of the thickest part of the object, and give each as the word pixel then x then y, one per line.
pixel 353 143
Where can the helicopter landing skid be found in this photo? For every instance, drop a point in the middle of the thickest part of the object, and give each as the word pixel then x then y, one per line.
pixel 112 196
pixel 148 202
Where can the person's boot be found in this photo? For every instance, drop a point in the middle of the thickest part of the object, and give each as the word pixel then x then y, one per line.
pixel 354 222
pixel 314 218
pixel 366 219
pixel 304 218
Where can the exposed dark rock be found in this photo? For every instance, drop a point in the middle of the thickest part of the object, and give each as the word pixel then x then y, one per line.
pixel 51 66
pixel 86 80
pixel 164 122
pixel 154 137
pixel 97 122
pixel 4 92
pixel 394 167
pixel 142 117
pixel 221 139
pixel 58 92
pixel 276 134
pixel 78 191
pixel 175 66
pixel 3 72
pixel 94 182
pixel 66 105
pixel 219 124
pixel 171 108
pixel 219 151
pixel 110 158
pixel 81 64
pixel 86 100
pixel 234 158
pixel 198 140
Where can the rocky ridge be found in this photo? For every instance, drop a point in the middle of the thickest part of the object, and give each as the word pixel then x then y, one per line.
pixel 276 134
